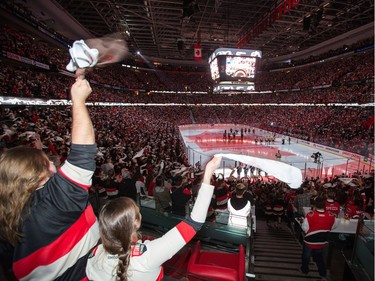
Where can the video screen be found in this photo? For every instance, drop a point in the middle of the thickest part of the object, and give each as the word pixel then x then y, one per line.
pixel 239 68
pixel 214 68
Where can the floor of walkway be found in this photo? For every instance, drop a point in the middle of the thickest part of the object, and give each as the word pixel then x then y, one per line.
pixel 277 256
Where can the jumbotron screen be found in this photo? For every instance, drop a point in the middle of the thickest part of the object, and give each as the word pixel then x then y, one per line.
pixel 234 64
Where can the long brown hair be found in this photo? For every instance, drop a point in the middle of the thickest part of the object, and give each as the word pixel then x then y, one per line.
pixel 22 171
pixel 119 221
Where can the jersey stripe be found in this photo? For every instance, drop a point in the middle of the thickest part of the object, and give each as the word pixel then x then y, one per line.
pixel 85 228
pixel 187 231
pixel 161 274
pixel 79 176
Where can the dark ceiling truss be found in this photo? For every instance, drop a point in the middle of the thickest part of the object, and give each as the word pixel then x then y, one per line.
pixel 157 28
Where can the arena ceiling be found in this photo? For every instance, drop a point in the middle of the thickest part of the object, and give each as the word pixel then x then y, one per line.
pixel 170 28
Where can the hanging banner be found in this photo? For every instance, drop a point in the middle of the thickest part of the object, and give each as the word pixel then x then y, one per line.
pixel 197 52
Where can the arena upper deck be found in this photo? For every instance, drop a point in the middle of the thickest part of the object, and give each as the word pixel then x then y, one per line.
pixel 169 29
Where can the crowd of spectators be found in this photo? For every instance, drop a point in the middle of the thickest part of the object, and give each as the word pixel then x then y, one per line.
pixel 346 128
pixel 331 53
pixel 275 201
pixel 122 132
pixel 27 82
pixel 23 81
pixel 32 47
pixel 136 141
pixel 339 127
pixel 348 80
pixel 345 199
pixel 347 69
pixel 140 142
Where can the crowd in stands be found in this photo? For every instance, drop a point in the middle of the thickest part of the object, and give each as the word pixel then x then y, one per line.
pixel 324 126
pixel 137 144
pixel 348 69
pixel 349 200
pixel 331 53
pixel 121 131
pixel 352 131
pixel 21 81
pixel 32 47
pixel 26 82
pixel 278 203
pixel 348 128
pixel 354 68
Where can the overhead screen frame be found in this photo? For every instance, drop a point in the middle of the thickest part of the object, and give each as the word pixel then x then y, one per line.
pixel 220 58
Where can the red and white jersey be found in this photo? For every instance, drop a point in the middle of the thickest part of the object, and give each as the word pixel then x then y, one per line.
pixel 317 225
pixel 147 258
pixel 222 197
pixel 60 228
pixel 352 212
pixel 333 207
pixel 268 209
pixel 278 207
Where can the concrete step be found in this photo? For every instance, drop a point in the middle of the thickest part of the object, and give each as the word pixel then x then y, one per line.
pixel 277 255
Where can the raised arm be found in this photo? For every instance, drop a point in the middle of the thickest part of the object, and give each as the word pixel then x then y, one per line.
pixel 82 128
pixel 163 248
pixel 199 212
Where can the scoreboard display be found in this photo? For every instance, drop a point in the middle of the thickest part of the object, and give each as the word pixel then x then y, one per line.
pixel 240 67
pixel 228 64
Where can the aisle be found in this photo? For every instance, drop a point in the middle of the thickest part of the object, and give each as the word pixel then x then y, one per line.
pixel 277 255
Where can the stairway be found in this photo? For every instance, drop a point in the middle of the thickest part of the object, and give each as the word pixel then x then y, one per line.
pixel 277 255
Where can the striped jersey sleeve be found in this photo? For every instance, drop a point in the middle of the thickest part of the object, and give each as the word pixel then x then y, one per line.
pixel 59 226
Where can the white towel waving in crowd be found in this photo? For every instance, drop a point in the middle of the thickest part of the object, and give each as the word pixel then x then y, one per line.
pixel 282 171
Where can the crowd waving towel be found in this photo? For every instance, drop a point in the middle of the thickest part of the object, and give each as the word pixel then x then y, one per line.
pixel 282 171
pixel 139 153
pixel 87 53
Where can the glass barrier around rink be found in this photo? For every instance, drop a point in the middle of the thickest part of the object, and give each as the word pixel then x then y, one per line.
pixel 339 162
pixel 199 159
pixel 334 167
pixel 323 168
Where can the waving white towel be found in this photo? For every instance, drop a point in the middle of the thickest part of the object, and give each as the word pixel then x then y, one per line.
pixel 282 171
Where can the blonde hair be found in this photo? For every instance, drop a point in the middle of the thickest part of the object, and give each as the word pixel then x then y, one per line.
pixel 119 221
pixel 22 170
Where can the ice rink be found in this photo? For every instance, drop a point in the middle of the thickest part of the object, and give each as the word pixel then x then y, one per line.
pixel 203 141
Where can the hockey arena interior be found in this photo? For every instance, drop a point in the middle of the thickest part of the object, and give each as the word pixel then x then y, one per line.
pixel 187 140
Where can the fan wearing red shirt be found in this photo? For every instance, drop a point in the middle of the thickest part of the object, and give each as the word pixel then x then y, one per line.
pixel 316 225
pixel 332 205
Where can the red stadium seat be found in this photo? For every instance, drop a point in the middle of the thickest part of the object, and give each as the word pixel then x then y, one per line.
pixel 219 266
